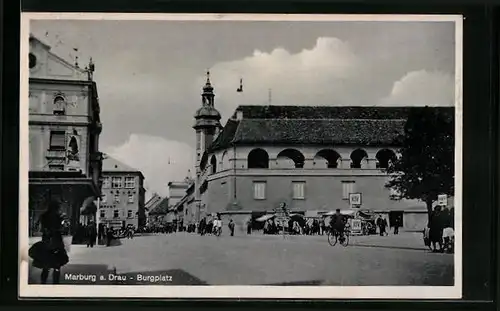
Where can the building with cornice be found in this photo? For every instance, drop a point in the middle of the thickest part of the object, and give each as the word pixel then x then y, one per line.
pixel 311 158
pixel 64 127
pixel 123 195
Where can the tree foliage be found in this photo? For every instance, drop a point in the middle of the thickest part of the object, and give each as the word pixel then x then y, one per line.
pixel 425 167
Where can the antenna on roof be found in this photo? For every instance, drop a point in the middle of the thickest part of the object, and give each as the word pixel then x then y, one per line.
pixel 270 97
pixel 240 89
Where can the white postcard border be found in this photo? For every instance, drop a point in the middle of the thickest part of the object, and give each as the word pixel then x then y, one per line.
pixel 284 292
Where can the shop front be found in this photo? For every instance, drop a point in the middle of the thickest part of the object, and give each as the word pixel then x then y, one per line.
pixel 69 189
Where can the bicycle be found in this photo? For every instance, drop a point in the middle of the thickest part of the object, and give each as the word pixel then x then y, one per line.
pixel 334 237
pixel 217 231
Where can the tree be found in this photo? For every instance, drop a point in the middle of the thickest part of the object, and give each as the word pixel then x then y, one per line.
pixel 425 167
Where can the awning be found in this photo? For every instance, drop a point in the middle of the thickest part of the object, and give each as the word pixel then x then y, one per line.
pixel 265 217
pixel 345 212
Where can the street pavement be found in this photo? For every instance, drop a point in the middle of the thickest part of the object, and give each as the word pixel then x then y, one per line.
pixel 189 259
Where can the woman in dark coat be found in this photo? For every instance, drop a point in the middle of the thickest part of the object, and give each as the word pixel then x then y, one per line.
pixel 50 252
pixel 436 227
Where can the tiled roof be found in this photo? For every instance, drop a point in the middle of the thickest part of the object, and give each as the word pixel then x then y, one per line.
pixel 316 125
pixel 328 112
pixel 110 164
pixel 225 138
pixel 161 208
pixel 325 131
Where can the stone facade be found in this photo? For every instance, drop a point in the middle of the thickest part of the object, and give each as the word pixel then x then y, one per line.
pixel 64 127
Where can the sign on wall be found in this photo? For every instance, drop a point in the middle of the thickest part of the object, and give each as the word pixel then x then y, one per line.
pixel 442 199
pixel 355 199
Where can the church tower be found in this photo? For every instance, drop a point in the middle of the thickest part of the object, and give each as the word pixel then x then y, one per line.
pixel 207 122
pixel 207 125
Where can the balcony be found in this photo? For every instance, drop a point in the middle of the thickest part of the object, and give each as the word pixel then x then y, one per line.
pixel 56 154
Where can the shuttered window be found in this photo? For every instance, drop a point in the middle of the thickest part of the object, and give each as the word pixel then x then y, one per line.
pixel 298 190
pixel 259 190
pixel 57 140
pixel 347 188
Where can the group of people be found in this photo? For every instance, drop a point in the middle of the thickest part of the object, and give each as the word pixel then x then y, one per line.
pixel 296 227
pixel 440 230
pixel 208 226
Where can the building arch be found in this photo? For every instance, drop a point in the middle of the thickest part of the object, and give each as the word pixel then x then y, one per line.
pixel 359 158
pixel 224 165
pixel 331 157
pixel 213 164
pixel 385 157
pixel 293 155
pixel 258 158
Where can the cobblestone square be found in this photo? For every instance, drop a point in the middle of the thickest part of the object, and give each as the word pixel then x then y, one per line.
pixel 190 259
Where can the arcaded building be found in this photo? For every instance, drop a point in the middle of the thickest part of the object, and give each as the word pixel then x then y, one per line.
pixel 312 158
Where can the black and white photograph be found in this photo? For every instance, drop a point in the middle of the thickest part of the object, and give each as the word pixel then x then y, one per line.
pixel 240 156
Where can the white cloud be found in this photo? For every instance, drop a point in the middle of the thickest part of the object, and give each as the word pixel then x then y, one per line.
pixel 422 88
pixel 160 160
pixel 316 76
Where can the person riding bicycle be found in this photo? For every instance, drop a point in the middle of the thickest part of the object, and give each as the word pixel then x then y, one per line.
pixel 338 223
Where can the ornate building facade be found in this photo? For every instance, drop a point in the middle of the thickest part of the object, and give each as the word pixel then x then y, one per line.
pixel 123 195
pixel 64 127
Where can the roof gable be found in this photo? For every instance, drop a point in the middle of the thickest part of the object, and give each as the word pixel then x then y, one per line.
pixel 48 65
pixel 110 164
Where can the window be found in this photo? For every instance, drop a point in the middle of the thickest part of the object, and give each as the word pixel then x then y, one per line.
pixel 116 213
pixel 130 182
pixel 116 182
pixel 103 213
pixel 130 198
pixel 106 182
pixel 298 190
pixel 347 188
pixel 57 140
pixel 129 214
pixel 59 105
pixel 104 198
pixel 259 190
pixel 56 167
pixel 117 198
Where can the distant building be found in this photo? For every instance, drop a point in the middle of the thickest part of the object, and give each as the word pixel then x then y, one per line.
pixel 177 190
pixel 151 204
pixel 123 195
pixel 64 128
pixel 312 158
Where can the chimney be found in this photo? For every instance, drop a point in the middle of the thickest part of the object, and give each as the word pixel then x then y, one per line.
pixel 239 115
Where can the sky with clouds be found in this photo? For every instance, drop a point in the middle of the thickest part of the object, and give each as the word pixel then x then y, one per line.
pixel 150 74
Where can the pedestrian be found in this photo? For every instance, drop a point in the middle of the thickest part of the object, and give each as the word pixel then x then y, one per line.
pixel 397 223
pixel 249 226
pixel 436 226
pixel 91 234
pixel 109 235
pixel 231 227
pixel 50 253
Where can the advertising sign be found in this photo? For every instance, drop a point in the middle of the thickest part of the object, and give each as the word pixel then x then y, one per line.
pixel 355 199
pixel 442 199
pixel 356 226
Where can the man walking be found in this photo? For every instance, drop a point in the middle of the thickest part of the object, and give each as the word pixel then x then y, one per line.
pixel 231 227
